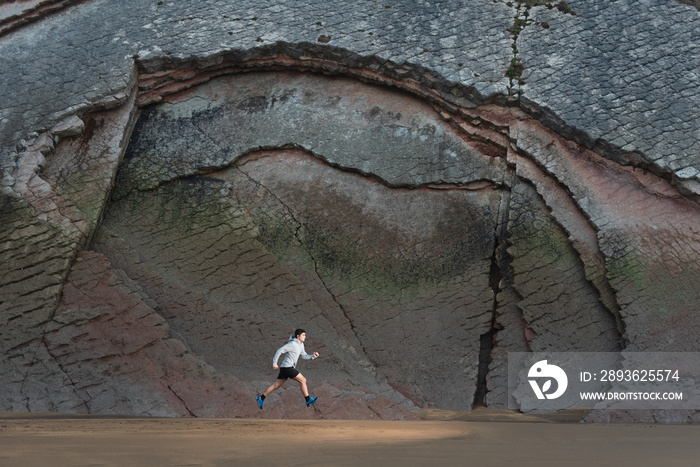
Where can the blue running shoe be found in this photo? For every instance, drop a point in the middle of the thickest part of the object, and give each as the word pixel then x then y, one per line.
pixel 311 401
pixel 260 401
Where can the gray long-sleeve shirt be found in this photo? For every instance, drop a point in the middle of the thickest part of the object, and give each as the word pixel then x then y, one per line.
pixel 294 349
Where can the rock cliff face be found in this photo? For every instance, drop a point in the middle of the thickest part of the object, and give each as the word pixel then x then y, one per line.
pixel 164 228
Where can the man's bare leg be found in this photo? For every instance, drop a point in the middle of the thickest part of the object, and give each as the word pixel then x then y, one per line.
pixel 302 381
pixel 274 386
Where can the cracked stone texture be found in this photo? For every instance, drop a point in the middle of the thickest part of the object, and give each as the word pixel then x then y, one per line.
pixel 84 56
pixel 622 76
pixel 394 277
pixel 647 234
pixel 557 300
pixel 611 86
pixel 226 297
pixel 106 351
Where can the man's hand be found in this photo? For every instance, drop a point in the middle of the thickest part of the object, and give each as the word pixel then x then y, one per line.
pixel 275 367
pixel 315 354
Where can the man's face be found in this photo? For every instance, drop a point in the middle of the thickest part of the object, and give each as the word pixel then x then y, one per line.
pixel 302 337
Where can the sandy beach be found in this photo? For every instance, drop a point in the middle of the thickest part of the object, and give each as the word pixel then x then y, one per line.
pixel 483 438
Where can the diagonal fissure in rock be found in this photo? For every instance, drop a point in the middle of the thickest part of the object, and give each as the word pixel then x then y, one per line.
pixel 296 234
pixel 65 371
pixel 184 404
pixel 325 284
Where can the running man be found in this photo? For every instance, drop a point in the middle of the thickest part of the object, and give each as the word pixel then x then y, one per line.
pixel 294 349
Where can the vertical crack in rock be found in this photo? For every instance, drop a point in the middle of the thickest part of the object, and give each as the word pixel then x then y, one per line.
pixel 516 66
pixel 521 20
pixel 496 275
pixel 486 340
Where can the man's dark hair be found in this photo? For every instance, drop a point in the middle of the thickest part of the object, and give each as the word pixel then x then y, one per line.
pixel 298 332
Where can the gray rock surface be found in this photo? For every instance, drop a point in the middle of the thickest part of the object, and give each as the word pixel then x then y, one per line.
pixel 622 77
pixel 550 155
pixel 85 56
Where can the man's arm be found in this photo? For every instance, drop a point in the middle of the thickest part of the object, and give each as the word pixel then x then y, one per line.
pixel 306 356
pixel 280 351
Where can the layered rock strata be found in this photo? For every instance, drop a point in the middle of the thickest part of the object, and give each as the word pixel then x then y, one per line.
pixel 420 222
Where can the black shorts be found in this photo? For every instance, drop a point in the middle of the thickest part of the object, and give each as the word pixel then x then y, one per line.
pixel 288 372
